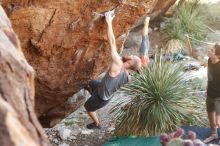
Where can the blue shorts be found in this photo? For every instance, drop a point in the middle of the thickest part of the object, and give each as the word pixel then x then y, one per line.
pixel 145 45
pixel 94 102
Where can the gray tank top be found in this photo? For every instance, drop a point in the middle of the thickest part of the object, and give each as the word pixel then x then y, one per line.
pixel 110 84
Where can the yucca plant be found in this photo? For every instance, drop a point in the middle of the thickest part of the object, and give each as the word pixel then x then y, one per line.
pixel 160 101
pixel 174 29
pixel 191 19
pixel 187 19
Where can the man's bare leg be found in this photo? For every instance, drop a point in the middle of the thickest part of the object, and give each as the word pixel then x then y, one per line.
pixel 146 25
pixel 213 126
pixel 217 106
pixel 218 121
pixel 145 43
pixel 94 118
pixel 212 122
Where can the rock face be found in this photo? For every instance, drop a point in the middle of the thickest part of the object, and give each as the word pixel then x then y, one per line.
pixel 19 125
pixel 161 7
pixel 66 43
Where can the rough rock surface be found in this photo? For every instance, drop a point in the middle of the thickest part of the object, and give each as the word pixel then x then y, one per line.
pixel 19 125
pixel 66 43
pixel 161 7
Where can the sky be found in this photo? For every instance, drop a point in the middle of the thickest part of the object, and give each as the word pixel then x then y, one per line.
pixel 210 1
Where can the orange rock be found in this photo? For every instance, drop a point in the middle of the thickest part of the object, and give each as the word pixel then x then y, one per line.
pixel 66 42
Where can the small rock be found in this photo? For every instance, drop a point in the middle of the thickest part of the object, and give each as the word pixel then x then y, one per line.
pixel 162 25
pixel 156 28
pixel 187 58
pixel 81 112
pixel 76 131
pixel 72 137
pixel 55 141
pixel 72 99
pixel 110 129
pixel 64 133
pixel 75 126
pixel 100 137
pixel 86 132
pixel 192 66
pixel 63 144
pixel 53 133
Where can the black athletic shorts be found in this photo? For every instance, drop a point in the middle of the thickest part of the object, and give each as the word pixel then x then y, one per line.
pixel 94 102
pixel 213 105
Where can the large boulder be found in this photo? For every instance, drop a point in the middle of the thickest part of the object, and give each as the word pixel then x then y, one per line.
pixel 66 43
pixel 19 125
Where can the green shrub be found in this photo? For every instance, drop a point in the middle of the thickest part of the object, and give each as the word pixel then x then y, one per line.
pixel 187 19
pixel 159 102
pixel 174 29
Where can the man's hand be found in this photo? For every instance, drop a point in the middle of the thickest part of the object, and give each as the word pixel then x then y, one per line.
pixel 109 16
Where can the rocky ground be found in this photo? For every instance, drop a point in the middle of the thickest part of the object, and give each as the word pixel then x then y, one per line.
pixel 72 130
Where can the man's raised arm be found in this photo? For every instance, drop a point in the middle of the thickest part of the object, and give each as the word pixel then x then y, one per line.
pixel 116 59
